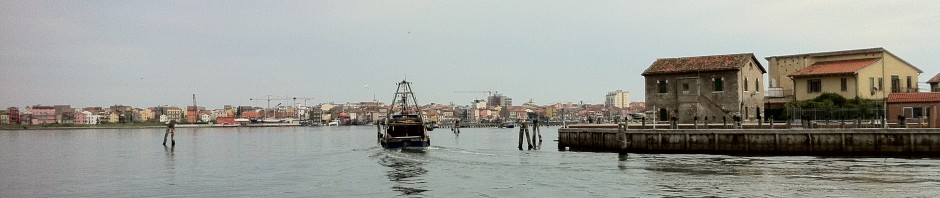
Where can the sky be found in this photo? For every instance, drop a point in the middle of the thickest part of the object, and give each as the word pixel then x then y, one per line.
pixel 154 53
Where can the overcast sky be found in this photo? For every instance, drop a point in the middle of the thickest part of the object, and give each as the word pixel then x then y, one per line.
pixel 150 53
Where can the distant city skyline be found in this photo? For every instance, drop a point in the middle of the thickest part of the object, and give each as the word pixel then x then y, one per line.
pixel 144 54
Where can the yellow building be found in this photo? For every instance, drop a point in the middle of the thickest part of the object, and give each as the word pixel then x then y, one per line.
pixel 863 73
pixel 550 111
pixel 113 118
pixel 147 114
pixel 619 99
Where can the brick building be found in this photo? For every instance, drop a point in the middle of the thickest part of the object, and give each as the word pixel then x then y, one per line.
pixel 714 86
pixel 915 107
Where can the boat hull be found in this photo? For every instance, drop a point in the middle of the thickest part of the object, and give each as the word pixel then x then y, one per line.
pixel 411 143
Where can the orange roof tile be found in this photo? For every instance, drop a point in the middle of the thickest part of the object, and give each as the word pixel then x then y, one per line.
pixel 935 79
pixel 701 64
pixel 914 97
pixel 835 67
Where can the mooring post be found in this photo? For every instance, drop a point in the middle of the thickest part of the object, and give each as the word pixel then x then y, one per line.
pixel 771 121
pixel 902 121
pixel 724 122
pixel 521 130
pixel 536 131
pixel 695 122
pixel 524 129
pixel 760 123
pixel 171 131
pixel 675 123
pixel 622 136
pixel 643 122
pixel 705 124
pixel 858 122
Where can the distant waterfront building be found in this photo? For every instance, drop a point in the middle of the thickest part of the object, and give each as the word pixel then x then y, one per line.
pixel 4 118
pixel 174 114
pixel 78 117
pixel 14 114
pixel 499 100
pixel 91 118
pixel 637 107
pixel 148 115
pixel 42 114
pixel 934 83
pixel 702 87
pixel 618 99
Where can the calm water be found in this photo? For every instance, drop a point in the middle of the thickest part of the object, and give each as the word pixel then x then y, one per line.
pixel 346 162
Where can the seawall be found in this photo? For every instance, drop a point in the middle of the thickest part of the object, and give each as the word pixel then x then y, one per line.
pixel 809 142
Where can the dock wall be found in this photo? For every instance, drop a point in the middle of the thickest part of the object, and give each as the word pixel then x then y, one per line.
pixel 811 142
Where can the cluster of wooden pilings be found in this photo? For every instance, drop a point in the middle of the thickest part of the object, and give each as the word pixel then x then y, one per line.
pixel 532 142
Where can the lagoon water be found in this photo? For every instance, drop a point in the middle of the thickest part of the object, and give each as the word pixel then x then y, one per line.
pixel 480 162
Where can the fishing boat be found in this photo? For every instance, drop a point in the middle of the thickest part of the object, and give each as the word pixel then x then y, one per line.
pixel 404 127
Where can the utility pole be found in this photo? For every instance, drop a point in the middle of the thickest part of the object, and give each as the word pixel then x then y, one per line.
pixel 297 114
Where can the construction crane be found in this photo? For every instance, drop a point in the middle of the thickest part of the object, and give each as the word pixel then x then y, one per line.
pixel 297 113
pixel 488 92
pixel 269 99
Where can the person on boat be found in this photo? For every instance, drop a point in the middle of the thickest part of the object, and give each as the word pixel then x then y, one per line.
pixel 456 128
pixel 170 130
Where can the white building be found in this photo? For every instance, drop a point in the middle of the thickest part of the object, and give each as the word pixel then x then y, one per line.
pixel 91 118
pixel 619 99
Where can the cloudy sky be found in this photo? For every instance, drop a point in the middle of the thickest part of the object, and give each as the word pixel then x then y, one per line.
pixel 150 53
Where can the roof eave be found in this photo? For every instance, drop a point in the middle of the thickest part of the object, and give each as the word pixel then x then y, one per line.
pixel 687 72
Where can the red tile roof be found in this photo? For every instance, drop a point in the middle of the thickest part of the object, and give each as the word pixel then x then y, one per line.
pixel 935 79
pixel 914 97
pixel 835 67
pixel 701 64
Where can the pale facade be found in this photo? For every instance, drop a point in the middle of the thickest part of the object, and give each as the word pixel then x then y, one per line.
pixel 865 73
pixel 91 118
pixel 147 114
pixel 4 119
pixel 619 99
pixel 174 114
pixel 42 114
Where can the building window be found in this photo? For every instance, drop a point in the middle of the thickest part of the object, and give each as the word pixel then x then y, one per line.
pixel 757 85
pixel 909 87
pixel 881 84
pixel 895 84
pixel 663 86
pixel 814 86
pixel 685 88
pixel 844 84
pixel 745 84
pixel 719 84
pixel 871 83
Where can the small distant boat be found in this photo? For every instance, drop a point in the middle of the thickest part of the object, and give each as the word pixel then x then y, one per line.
pixel 333 123
pixel 507 125
pixel 404 128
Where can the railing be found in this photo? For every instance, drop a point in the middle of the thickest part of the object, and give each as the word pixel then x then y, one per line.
pixel 778 92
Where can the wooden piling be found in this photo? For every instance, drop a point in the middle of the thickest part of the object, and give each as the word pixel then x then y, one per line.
pixel 524 130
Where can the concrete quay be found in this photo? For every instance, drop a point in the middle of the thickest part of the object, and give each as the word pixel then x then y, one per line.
pixel 759 142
